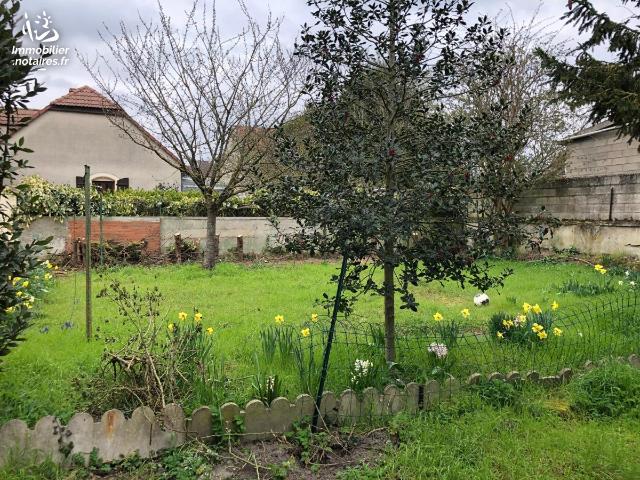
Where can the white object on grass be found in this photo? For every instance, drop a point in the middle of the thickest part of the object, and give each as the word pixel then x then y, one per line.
pixel 481 299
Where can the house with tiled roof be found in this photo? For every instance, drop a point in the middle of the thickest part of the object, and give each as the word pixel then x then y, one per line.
pixel 76 130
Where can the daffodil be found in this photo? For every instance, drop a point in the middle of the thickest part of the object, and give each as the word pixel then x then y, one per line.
pixel 507 323
pixel 305 332
pixel 279 319
pixel 10 309
pixel 47 276
pixel 171 327
pixel 557 332
pixel 19 294
pixel 555 305
pixel 465 313
pixel 542 335
pixel 28 305
pixel 536 309
pixel 536 328
pixel 15 280
pixel 48 264
pixel 597 267
pixel 182 316
pixel 209 331
pixel 437 316
pixel 25 284
pixel 500 335
pixel 603 271
pixel 197 317
pixel 314 317
pixel 526 307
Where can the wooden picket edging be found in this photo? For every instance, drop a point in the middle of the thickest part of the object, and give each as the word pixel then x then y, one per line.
pixel 145 433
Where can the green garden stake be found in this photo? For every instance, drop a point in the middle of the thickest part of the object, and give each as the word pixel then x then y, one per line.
pixel 87 250
pixel 327 348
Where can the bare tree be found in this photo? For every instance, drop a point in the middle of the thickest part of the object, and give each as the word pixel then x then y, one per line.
pixel 211 99
pixel 523 98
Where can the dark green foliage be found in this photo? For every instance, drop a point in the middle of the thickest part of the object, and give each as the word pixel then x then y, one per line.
pixel 386 172
pixel 45 199
pixel 608 87
pixel 608 391
pixel 17 88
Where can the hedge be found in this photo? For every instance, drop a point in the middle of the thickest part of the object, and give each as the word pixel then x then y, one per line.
pixel 47 199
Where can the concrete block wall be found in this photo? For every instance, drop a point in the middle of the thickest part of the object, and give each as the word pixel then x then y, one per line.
pixel 587 198
pixel 602 154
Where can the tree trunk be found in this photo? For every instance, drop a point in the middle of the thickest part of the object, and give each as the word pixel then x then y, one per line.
pixel 389 313
pixel 211 246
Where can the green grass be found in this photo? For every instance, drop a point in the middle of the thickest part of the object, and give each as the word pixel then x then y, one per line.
pixel 38 377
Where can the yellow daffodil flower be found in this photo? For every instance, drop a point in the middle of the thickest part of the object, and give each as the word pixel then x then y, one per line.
pixel 542 335
pixel 47 276
pixel 19 294
pixel 603 271
pixel 526 307
pixel 437 316
pixel 279 319
pixel 28 305
pixel 557 332
pixel 507 323
pixel 465 313
pixel 209 331
pixel 536 327
pixel 305 332
pixel 536 309
pixel 500 335
pixel 10 309
pixel 15 280
pixel 182 316
pixel 555 305
pixel 25 284
pixel 197 317
pixel 314 317
pixel 48 264
pixel 171 327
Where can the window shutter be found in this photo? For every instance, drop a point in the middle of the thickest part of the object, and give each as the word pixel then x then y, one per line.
pixel 123 183
pixel 79 182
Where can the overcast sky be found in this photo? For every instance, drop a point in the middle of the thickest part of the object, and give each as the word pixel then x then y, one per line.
pixel 78 23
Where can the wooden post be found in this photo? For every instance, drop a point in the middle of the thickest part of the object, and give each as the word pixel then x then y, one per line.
pixel 178 241
pixel 240 247
pixel 87 250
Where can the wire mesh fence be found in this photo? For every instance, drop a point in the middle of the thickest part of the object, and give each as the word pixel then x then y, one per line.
pixel 545 342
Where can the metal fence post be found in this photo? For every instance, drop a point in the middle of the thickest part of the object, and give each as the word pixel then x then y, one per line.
pixel 327 348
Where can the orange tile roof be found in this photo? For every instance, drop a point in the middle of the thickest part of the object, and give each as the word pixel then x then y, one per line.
pixel 84 97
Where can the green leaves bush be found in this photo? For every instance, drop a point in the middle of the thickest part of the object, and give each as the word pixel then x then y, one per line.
pixel 45 199
pixel 609 391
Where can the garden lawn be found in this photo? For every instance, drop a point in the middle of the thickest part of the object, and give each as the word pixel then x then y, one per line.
pixel 237 300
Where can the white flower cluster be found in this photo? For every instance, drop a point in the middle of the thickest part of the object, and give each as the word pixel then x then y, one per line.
pixel 271 383
pixel 440 350
pixel 360 369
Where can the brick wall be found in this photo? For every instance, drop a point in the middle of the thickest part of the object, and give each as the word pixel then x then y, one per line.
pixel 118 230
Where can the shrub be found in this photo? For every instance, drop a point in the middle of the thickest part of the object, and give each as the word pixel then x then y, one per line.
pixel 608 391
pixel 161 362
pixel 45 199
